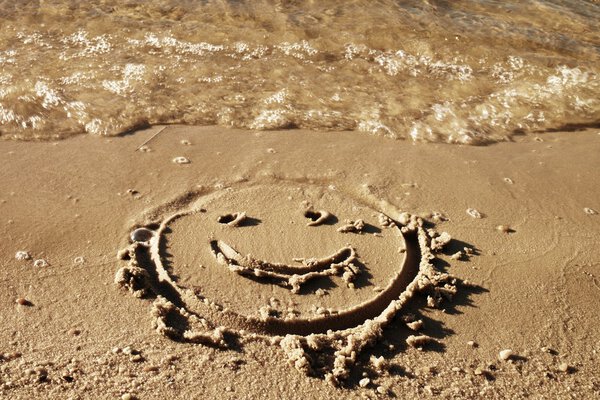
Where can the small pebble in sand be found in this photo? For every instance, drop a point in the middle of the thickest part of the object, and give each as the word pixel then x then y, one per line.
pixel 509 181
pixel 438 217
pixel 186 142
pixel 415 325
pixel 151 368
pixel 79 260
pixel 505 354
pixel 228 389
pixel 364 382
pixel 385 221
pixel 123 254
pixel 471 343
pixel 271 150
pixel 381 390
pixel 170 358
pixel 40 263
pixel 23 302
pixel 474 213
pixel 563 367
pixel 379 363
pixel 420 341
pixel 145 149
pixel 352 226
pixel 404 218
pixel 74 332
pixel 128 396
pixel 141 235
pixel 590 211
pixel 431 302
pixel 137 358
pixel 181 160
pixel 457 256
pixel 10 356
pixel 504 228
pixel 22 255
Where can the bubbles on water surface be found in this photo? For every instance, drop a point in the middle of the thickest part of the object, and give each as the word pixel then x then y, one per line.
pixel 286 67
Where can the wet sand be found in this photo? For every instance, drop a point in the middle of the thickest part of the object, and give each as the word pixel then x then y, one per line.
pixel 533 279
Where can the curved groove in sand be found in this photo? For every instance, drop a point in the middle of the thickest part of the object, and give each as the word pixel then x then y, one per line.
pixel 344 255
pixel 289 276
pixel 184 314
pixel 354 316
pixel 342 320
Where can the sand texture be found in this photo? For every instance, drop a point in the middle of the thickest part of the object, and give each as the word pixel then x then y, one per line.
pixel 223 263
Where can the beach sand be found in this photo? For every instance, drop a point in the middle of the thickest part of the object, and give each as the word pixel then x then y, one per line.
pixel 530 285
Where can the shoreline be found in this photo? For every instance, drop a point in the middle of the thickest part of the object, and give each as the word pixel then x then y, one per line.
pixel 538 282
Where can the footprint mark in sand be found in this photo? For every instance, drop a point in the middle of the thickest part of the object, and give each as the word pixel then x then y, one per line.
pixel 178 252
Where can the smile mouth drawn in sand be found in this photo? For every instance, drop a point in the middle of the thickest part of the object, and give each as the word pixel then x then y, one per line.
pixel 399 253
pixel 340 263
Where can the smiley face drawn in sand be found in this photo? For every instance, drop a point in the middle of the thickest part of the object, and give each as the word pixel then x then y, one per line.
pixel 296 265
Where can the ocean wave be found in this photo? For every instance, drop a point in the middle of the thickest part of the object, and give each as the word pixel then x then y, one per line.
pixel 467 72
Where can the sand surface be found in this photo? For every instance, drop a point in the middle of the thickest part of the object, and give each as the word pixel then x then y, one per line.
pixel 532 286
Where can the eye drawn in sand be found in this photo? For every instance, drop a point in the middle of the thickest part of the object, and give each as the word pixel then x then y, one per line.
pixel 316 217
pixel 323 291
pixel 234 219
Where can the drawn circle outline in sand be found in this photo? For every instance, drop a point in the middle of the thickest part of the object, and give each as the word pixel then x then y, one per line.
pixel 185 314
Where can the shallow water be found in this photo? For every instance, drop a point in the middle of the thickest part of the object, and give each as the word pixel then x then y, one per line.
pixel 459 72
